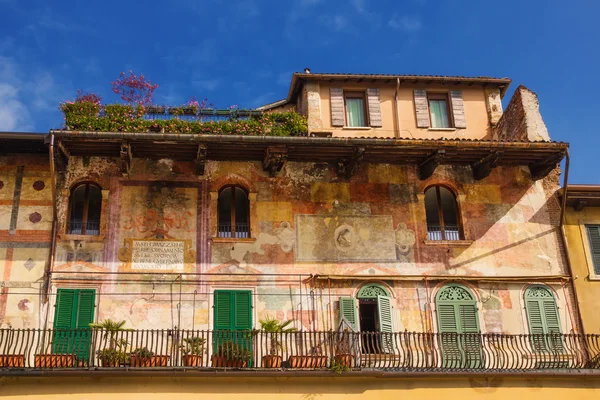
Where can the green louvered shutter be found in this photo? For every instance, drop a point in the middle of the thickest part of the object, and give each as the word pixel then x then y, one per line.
pixel 555 343
pixel 63 320
pixel 348 311
pixel 594 238
pixel 243 310
pixel 386 325
pixel 470 343
pixel 223 310
pixel 233 317
pixel 85 316
pixel 542 316
pixel 448 328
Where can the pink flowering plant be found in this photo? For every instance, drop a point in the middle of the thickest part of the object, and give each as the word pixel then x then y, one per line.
pixel 134 89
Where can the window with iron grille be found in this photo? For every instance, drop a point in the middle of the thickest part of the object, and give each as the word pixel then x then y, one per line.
pixel 441 209
pixel 85 206
pixel 234 213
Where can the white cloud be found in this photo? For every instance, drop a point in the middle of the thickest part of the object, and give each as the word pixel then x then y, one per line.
pixel 339 22
pixel 14 115
pixel 405 23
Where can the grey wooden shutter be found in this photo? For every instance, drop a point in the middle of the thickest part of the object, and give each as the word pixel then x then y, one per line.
pixel 421 108
pixel 336 96
pixel 594 238
pixel 458 109
pixel 374 104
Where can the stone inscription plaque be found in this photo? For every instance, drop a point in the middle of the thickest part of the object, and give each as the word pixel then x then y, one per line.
pixel 345 238
pixel 157 255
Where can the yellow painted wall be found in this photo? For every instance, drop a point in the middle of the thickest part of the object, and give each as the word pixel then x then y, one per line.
pixel 150 388
pixel 587 285
pixel 478 126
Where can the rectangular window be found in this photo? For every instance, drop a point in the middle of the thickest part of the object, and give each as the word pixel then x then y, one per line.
pixel 439 110
pixel 355 109
pixel 593 232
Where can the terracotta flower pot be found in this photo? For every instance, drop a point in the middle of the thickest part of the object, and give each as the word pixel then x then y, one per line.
pixel 271 361
pixel 308 361
pixel 153 361
pixel 222 362
pixel 347 360
pixel 54 360
pixel 192 360
pixel 12 361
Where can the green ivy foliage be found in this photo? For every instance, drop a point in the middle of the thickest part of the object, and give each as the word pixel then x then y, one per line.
pixel 88 116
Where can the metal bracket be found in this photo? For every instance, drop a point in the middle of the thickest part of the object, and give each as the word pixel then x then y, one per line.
pixel 348 167
pixel 200 159
pixel 126 158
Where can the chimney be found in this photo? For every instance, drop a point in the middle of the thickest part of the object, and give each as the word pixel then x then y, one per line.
pixel 307 70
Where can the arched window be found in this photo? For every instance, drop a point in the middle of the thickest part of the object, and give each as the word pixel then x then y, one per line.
pixel 234 213
pixel 85 206
pixel 442 214
pixel 542 317
pixel 457 314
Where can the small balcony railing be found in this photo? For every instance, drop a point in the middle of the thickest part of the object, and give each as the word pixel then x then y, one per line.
pixel 242 231
pixel 78 227
pixel 200 349
pixel 449 232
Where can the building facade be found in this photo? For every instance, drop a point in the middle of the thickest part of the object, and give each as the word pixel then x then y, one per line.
pixel 414 225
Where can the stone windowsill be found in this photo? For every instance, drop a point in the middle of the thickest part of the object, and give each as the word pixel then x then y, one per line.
pixel 357 128
pixel 442 129
pixel 232 240
pixel 84 238
pixel 449 243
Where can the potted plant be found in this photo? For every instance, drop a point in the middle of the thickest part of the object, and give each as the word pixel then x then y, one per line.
pixel 12 360
pixel 54 360
pixel 143 357
pixel 115 355
pixel 193 351
pixel 231 355
pixel 343 352
pixel 153 109
pixel 314 358
pixel 274 329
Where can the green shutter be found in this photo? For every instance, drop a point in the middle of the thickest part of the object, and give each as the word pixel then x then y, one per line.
pixel 386 325
pixel 74 313
pixel 470 343
pixel 594 238
pixel 447 321
pixel 348 311
pixel 469 323
pixel 223 310
pixel 542 316
pixel 243 310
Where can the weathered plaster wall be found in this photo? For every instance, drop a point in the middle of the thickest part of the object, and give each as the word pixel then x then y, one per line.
pixel 25 224
pixel 478 123
pixel 521 120
pixel 309 220
pixel 587 283
pixel 451 388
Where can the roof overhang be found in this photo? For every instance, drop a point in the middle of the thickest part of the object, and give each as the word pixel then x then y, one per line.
pixel 22 143
pixel 580 196
pixel 424 153
pixel 298 78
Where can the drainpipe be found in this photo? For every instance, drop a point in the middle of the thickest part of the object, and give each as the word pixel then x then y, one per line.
pixel 50 264
pixel 564 239
pixel 396 110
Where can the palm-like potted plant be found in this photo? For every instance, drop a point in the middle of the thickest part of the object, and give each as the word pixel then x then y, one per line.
pixel 275 329
pixel 193 351
pixel 231 354
pixel 115 355
pixel 144 357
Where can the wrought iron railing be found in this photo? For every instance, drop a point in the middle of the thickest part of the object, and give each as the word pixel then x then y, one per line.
pixel 78 227
pixel 242 230
pixel 191 114
pixel 402 351
pixel 449 232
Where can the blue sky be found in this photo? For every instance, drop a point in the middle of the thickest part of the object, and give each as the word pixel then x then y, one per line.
pixel 244 52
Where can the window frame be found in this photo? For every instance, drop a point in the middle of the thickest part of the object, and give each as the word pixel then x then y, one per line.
pixel 232 211
pixel 461 235
pixel 356 94
pixel 440 96
pixel 86 204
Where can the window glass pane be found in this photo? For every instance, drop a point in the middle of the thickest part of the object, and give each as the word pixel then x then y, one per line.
pixel 439 113
pixel 433 216
pixel 77 206
pixel 355 111
pixel 94 208
pixel 224 208
pixel 241 213
pixel 449 208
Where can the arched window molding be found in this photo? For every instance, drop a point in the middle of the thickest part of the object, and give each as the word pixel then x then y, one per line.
pixel 85 209
pixel 233 212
